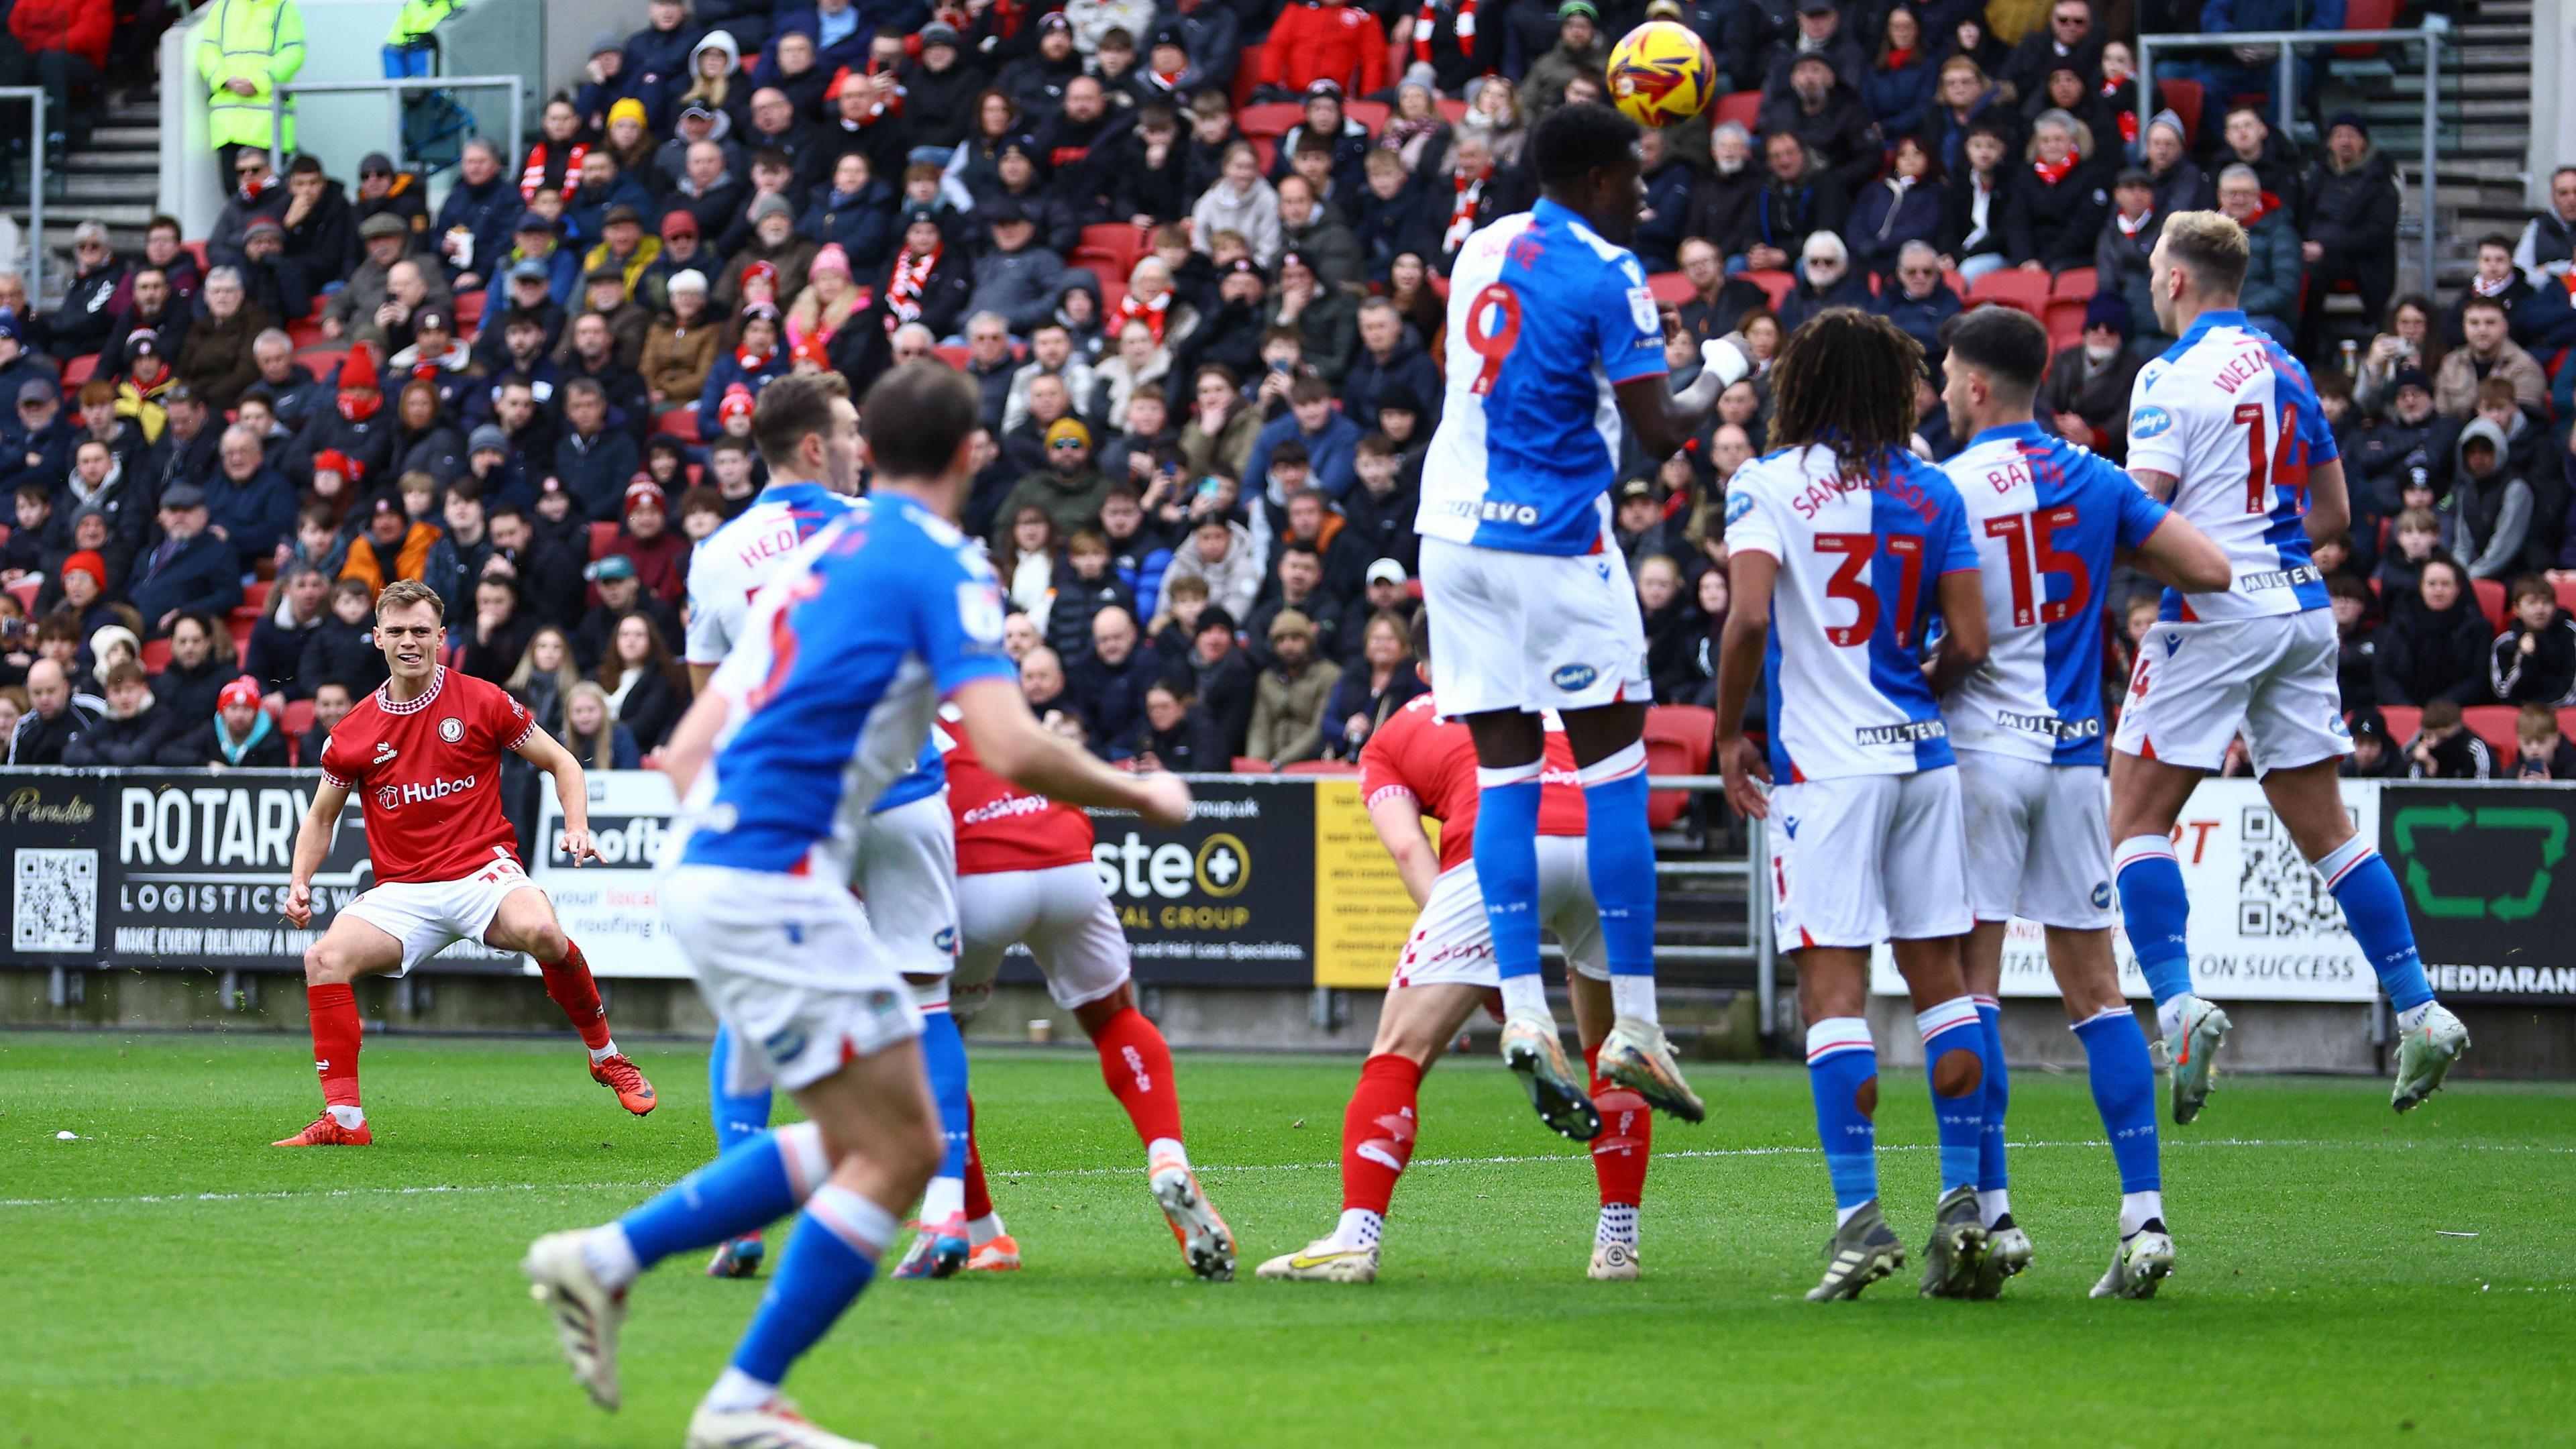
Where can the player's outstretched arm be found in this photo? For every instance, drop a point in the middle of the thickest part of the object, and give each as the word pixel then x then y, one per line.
pixel 1664 420
pixel 1012 743
pixel 1750 576
pixel 2329 501
pixel 1398 818
pixel 546 753
pixel 312 846
pixel 693 740
pixel 1964 640
pixel 2180 555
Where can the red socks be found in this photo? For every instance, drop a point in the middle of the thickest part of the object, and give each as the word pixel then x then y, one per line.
pixel 1627 1134
pixel 1378 1129
pixel 1137 1064
pixel 569 985
pixel 979 1201
pixel 336 1030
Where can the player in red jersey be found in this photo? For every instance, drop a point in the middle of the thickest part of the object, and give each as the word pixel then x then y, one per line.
pixel 1417 766
pixel 425 753
pixel 1024 876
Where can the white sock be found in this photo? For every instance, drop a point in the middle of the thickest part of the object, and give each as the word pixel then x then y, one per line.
pixel 1618 1224
pixel 985 1229
pixel 943 1200
pixel 1993 1206
pixel 2413 1016
pixel 603 1052
pixel 1526 996
pixel 1843 1215
pixel 1633 996
pixel 2137 1209
pixel 610 1256
pixel 736 1390
pixel 352 1118
pixel 1359 1228
pixel 1166 1149
pixel 2169 1016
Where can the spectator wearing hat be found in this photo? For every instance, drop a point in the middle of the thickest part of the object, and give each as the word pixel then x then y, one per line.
pixel 440 358
pixel 940 89
pixel 377 302
pixel 2373 757
pixel 78 587
pixel 2069 37
pixel 1580 50
pixel 386 190
pixel 929 280
pixel 275 282
pixel 759 354
pixel 2085 395
pixel 1019 279
pixel 35 443
pixel 536 238
pixel 646 539
pixel 532 314
pixel 604 187
pixel 2349 220
pixel 215 360
pixel 140 392
pixel 2411 436
pixel 1069 488
pixel 1290 695
pixel 680 251
pixel 152 308
pixel 1035 82
pixel 186 567
pixel 239 735
pixel 623 247
pixel 497 469
pixel 855 214
pixel 774 241
pixel 472 232
pixel 2270 296
pixel 680 346
pixel 627 324
pixel 1825 112
pixel 80 325
pixel 616 591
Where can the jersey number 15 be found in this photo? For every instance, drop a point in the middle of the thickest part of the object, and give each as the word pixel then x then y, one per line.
pixel 2026 533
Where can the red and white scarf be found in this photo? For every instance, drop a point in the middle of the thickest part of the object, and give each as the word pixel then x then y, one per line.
pixel 1462 212
pixel 1153 314
pixel 2130 228
pixel 2057 173
pixel 2485 288
pixel 533 180
pixel 1428 16
pixel 752 362
pixel 908 284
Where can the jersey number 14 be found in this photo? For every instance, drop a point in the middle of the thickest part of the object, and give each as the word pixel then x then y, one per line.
pixel 2265 470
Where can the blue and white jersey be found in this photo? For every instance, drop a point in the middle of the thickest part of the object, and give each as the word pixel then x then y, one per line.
pixel 1545 318
pixel 834 690
pixel 2234 417
pixel 731 565
pixel 1861 561
pixel 2047 516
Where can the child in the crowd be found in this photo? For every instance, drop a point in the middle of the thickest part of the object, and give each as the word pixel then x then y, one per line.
pixel 2535 657
pixel 2542 753
pixel 2445 749
pixel 2415 538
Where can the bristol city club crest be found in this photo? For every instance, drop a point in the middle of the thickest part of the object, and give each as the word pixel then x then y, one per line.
pixel 451 729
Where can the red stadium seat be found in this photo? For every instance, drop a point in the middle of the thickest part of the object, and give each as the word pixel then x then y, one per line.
pixel 1247 64
pixel 1774 284
pixel 602 535
pixel 2493 723
pixel 79 370
pixel 1371 114
pixel 1113 295
pixel 240 628
pixel 469 311
pixel 1253 765
pixel 2366 15
pixel 2065 319
pixel 956 357
pixel 1453 111
pixel 2404 720
pixel 197 249
pixel 1265 149
pixel 2011 287
pixel 2491 602
pixel 255 596
pixel 1679 738
pixel 2078 283
pixel 304 333
pixel 156 655
pixel 2566 589
pixel 1742 107
pixel 299 717
pixel 2183 98
pixel 1320 767
pixel 1671 287
pixel 1122 240
pixel 24 591
pixel 681 423
pixel 1271 118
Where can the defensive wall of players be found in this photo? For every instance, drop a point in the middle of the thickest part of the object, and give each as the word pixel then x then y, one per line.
pixel 148 898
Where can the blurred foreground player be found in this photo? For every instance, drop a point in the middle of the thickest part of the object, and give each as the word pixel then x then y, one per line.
pixel 1025 877
pixel 1419 766
pixel 2226 427
pixel 1845 548
pixel 827 701
pixel 1553 339
pixel 2049 519
pixel 424 753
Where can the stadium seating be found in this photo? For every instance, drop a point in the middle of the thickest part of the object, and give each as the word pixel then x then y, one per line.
pixel 1320 767
pixel 1742 107
pixel 1371 114
pixel 2065 319
pixel 1253 765
pixel 1271 119
pixel 2565 587
pixel 602 537
pixel 156 655
pixel 2493 723
pixel 2079 283
pixel 2491 601
pixel 1679 739
pixel 2183 98
pixel 1671 287
pixel 1775 285
pixel 2403 721
pixel 79 370
pixel 681 423
pixel 1247 64
pixel 24 591
pixel 2011 287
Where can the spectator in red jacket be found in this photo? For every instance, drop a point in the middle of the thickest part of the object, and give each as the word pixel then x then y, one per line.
pixel 659 551
pixel 1324 40
pixel 66 41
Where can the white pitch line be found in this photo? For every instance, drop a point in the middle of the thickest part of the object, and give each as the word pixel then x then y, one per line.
pixel 1562 1159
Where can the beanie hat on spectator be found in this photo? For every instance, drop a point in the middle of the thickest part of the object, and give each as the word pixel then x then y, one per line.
pixel 1403 398
pixel 107 637
pixel 1216 616
pixel 676 223
pixel 2108 309
pixel 2409 377
pixel 771 204
pixel 2171 122
pixel 644 490
pixel 629 109
pixel 2367 723
pixel 260 224
pixel 760 272
pixel 813 350
pixel 334 461
pixel 244 690
pixel 487 439
pixel 359 368
pixel 603 42
pixel 383 223
pixel 1063 428
pixel 88 561
pixel 1291 621
pixel 2348 118
pixel 10 329
pixel 736 403
pixel 829 258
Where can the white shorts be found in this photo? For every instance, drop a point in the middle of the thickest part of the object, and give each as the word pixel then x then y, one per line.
pixel 1061 914
pixel 906 877
pixel 2039 841
pixel 1452 945
pixel 2196 685
pixel 1867 858
pixel 1531 631
pixel 790 965
pixel 427 917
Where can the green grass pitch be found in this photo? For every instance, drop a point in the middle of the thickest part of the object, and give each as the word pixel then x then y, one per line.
pixel 2347 1276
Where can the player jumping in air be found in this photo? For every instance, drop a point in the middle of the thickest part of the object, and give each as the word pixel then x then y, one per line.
pixel 1420 766
pixel 2049 519
pixel 2225 427
pixel 424 754
pixel 1845 548
pixel 906 860
pixel 827 701
pixel 1553 338
pixel 1024 876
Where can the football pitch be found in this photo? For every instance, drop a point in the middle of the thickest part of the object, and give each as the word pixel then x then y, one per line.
pixel 2346 1275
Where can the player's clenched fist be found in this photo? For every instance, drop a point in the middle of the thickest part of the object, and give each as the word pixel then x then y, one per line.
pixel 298 905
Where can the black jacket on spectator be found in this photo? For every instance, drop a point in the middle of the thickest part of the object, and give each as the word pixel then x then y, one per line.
pixel 1719 202
pixel 324 242
pixel 1804 301
pixel 1193 744
pixel 1782 213
pixel 2353 215
pixel 1921 317
pixel 2463 756
pixel 1111 698
pixel 2054 224
pixel 41 741
pixel 489 212
pixel 650 708
pixel 200 574
pixel 2357 666
pixel 276 652
pixel 591 637
pixel 81 323
pixel 1068 630
pixel 2547 675
pixel 2426 655
pixel 2378 458
pixel 1885 218
pixel 345 653
pixel 2100 398
pixel 1369 379
pixel 1226 690
pixel 191 693
pixel 135 740
pixel 1841 134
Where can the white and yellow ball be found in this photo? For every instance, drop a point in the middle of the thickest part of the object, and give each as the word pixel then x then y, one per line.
pixel 1662 74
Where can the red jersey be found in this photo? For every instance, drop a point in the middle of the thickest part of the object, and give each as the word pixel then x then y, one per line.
pixel 1001 827
pixel 1417 753
pixel 429 772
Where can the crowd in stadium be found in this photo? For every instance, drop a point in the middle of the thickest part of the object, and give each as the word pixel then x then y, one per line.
pixel 1195 259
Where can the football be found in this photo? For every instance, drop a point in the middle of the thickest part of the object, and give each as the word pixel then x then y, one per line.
pixel 1661 74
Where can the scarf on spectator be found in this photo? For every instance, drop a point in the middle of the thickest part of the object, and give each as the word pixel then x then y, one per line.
pixel 2485 288
pixel 752 362
pixel 143 404
pixel 1429 16
pixel 1153 314
pixel 1900 59
pixel 360 404
pixel 2057 173
pixel 2128 228
pixel 907 284
pixel 1462 212
pixel 533 179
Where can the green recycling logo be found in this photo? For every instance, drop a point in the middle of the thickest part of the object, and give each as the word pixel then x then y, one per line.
pixel 2453 818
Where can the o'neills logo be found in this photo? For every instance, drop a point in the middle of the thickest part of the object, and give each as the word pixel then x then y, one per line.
pixel 28 806
pixel 392 796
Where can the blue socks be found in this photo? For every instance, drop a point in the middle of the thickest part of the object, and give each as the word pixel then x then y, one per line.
pixel 739 1117
pixel 1620 855
pixel 943 1057
pixel 1842 1065
pixel 1960 1121
pixel 741 1192
pixel 2155 912
pixel 1991 1176
pixel 1507 866
pixel 2376 910
pixel 2124 1092
pixel 827 1264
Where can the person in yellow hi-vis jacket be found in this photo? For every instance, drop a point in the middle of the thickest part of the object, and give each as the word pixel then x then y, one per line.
pixel 244 50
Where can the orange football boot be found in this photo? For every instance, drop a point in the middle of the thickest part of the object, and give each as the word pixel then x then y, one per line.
pixel 619 1074
pixel 326 1131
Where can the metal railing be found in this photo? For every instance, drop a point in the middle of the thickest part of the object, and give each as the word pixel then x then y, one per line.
pixel 34 96
pixel 395 89
pixel 1759 949
pixel 2285 45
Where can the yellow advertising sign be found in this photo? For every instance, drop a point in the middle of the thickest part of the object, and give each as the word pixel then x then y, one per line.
pixel 1362 913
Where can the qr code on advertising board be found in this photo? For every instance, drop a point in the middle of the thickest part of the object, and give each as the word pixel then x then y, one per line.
pixel 55 907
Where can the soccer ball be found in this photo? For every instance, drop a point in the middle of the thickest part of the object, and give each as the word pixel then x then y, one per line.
pixel 1661 74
